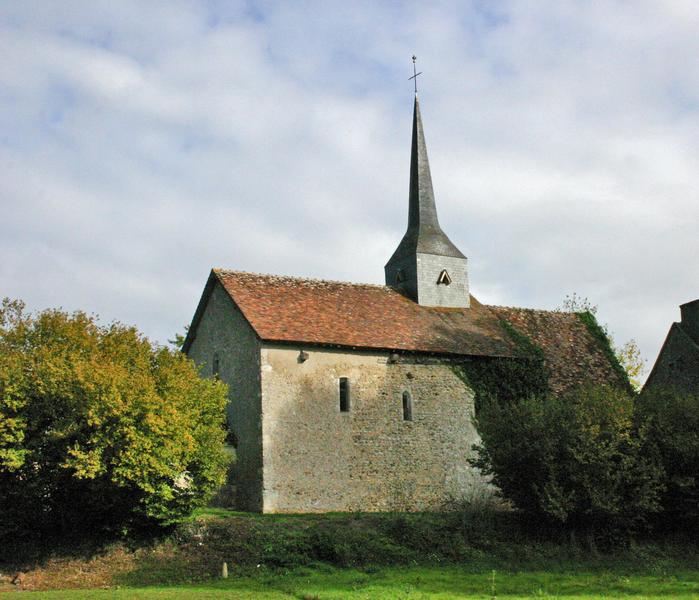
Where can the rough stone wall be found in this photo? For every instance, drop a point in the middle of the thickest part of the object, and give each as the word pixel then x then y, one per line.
pixel 678 363
pixel 319 459
pixel 222 329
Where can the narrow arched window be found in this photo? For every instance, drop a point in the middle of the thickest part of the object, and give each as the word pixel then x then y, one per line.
pixel 407 407
pixel 216 366
pixel 344 394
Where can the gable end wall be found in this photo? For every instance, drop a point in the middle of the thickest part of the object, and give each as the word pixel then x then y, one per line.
pixel 223 329
pixel 677 365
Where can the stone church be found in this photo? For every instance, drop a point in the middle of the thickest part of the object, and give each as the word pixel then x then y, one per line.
pixel 343 396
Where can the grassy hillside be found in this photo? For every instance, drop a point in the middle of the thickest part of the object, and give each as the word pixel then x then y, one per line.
pixel 459 555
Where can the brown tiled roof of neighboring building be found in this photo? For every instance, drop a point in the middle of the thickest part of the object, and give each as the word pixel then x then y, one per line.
pixel 308 311
pixel 572 354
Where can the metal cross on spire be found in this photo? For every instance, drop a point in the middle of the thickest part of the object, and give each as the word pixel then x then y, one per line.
pixel 415 74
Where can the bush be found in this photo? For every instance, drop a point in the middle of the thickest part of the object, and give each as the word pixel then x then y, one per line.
pixel 672 422
pixel 99 428
pixel 574 461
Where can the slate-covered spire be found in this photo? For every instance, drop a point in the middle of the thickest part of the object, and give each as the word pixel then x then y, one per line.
pixel 425 247
pixel 424 233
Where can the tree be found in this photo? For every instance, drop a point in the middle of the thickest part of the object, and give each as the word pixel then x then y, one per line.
pixel 178 341
pixel 99 427
pixel 671 418
pixel 576 461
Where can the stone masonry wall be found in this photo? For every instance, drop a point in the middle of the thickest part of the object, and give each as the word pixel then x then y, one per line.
pixel 223 330
pixel 318 459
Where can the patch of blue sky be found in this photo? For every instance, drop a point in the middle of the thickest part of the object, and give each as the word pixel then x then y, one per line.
pixel 60 99
pixel 224 12
pixel 491 14
pixel 99 38
pixel 681 100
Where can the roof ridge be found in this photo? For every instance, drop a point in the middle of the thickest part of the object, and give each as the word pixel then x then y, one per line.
pixel 537 310
pixel 222 271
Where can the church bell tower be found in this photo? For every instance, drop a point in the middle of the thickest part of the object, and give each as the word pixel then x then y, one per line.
pixel 426 266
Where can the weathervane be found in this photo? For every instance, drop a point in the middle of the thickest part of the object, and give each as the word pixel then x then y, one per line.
pixel 415 74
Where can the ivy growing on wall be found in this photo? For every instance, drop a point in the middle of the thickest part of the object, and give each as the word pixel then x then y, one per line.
pixel 507 380
pixel 601 336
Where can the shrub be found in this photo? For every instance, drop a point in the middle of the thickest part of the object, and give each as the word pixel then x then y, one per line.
pixel 99 427
pixel 672 421
pixel 575 461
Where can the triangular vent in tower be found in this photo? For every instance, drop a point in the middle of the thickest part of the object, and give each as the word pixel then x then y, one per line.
pixel 444 278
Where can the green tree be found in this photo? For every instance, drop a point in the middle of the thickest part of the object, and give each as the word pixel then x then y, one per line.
pixel 672 420
pixel 99 427
pixel 179 339
pixel 575 461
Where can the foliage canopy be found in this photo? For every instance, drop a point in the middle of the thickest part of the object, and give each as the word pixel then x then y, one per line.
pixel 576 460
pixel 672 421
pixel 99 427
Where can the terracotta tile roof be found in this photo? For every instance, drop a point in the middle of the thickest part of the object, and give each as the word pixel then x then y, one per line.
pixel 572 354
pixel 289 309
pixel 332 313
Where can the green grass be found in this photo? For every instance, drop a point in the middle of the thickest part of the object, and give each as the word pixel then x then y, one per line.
pixel 433 583
pixel 367 556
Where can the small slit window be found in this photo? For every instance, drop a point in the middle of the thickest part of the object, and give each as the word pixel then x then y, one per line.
pixel 216 366
pixel 400 276
pixel 443 278
pixel 407 407
pixel 344 394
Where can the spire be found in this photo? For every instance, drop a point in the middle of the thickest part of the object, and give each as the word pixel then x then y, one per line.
pixel 424 235
pixel 426 266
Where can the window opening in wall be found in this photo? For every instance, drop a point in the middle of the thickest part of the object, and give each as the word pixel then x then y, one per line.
pixel 400 276
pixel 407 407
pixel 344 395
pixel 444 278
pixel 216 366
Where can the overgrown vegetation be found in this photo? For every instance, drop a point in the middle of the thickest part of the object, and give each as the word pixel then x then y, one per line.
pixel 506 379
pixel 100 429
pixel 575 461
pixel 625 359
pixel 670 420
pixel 601 336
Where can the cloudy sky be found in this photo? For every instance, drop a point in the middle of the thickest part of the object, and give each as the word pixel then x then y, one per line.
pixel 143 142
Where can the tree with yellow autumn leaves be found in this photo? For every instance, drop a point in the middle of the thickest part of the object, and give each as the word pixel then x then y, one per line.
pixel 99 427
